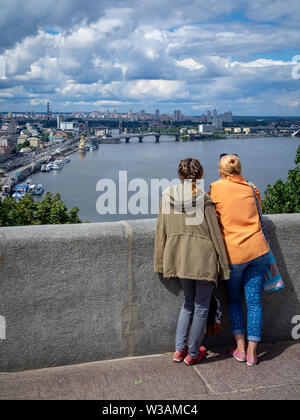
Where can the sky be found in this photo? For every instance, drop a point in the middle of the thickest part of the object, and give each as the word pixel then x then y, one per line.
pixel 192 55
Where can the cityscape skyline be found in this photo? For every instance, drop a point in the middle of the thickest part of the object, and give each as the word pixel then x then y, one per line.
pixel 150 55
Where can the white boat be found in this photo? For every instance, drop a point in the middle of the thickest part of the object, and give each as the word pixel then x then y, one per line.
pixel 39 189
pixel 67 160
pixel 18 196
pixel 58 164
pixel 49 166
pixel 31 189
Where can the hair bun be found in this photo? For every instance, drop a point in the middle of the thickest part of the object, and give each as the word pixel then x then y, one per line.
pixel 230 165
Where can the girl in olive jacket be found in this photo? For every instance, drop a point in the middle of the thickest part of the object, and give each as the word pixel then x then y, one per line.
pixel 189 245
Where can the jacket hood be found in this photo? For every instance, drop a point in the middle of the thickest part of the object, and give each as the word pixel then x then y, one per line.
pixel 180 197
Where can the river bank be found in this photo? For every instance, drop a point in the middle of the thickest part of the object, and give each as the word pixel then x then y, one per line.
pixel 11 178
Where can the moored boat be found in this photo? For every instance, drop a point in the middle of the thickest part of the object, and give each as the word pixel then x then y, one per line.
pixel 31 189
pixel 21 188
pixel 58 164
pixel 39 189
pixel 18 196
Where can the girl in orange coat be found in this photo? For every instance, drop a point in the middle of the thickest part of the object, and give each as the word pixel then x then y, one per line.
pixel 248 254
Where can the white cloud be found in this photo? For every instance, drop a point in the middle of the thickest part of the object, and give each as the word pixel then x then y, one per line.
pixel 190 64
pixel 121 52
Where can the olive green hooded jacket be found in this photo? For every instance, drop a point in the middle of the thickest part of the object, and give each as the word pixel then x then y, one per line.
pixel 188 241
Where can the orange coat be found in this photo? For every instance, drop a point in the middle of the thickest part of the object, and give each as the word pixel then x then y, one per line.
pixel 238 218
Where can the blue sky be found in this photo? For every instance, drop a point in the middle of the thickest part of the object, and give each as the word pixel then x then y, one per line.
pixel 137 54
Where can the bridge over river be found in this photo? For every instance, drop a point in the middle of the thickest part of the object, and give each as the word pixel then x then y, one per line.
pixel 129 136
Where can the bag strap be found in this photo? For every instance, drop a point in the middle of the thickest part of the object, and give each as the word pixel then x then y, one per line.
pixel 259 212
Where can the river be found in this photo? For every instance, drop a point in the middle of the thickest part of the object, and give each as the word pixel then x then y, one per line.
pixel 264 161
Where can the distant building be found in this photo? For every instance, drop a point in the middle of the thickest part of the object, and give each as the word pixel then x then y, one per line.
pixel 215 115
pixel 177 116
pixel 142 115
pixel 4 149
pixel 57 137
pixel 70 126
pixel 208 119
pixel 22 138
pixel 8 138
pixel 48 111
pixel 157 115
pixel 129 115
pixel 59 120
pixel 207 129
pixel 228 117
pixel 165 117
pixel 35 142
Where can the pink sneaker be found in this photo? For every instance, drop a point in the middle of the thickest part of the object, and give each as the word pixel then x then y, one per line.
pixel 240 356
pixel 251 361
pixel 179 356
pixel 189 361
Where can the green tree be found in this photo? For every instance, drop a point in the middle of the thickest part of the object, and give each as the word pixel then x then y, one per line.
pixel 51 210
pixel 284 197
pixel 25 144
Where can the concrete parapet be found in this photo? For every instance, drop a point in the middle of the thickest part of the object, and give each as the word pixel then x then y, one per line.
pixel 80 293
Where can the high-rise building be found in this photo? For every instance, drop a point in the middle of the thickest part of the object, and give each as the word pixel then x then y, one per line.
pixel 129 115
pixel 59 120
pixel 48 111
pixel 228 117
pixel 142 114
pixel 177 115
pixel 215 113
pixel 157 115
pixel 208 115
pixel 8 136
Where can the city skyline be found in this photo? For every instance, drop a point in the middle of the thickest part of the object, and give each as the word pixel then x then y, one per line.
pixel 150 55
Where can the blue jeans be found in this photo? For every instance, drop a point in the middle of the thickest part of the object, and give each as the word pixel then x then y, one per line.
pixel 250 277
pixel 197 295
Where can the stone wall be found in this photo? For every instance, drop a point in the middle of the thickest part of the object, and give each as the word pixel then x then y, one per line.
pixel 79 293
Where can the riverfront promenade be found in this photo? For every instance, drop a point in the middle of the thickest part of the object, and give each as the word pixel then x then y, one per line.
pixel 218 377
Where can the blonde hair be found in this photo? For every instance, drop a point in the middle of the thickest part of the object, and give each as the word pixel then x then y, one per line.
pixel 230 165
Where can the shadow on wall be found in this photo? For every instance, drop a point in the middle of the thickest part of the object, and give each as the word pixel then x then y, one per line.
pixel 281 307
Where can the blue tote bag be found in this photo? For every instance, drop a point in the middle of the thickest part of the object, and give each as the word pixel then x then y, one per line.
pixel 273 279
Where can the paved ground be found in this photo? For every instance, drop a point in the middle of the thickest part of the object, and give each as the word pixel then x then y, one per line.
pixel 158 378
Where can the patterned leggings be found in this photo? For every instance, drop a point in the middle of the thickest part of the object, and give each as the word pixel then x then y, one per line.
pixel 250 277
